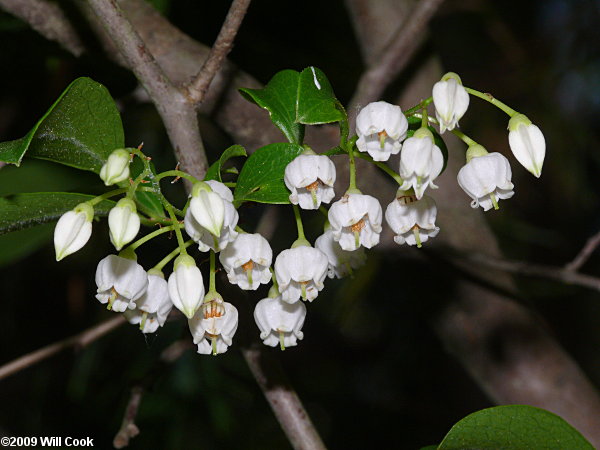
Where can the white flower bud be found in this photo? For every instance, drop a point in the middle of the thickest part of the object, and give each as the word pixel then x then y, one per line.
pixel 451 101
pixel 411 219
pixel 123 223
pixel 116 168
pixel 527 143
pixel 310 178
pixel 280 322
pixel 186 285
pixel 421 162
pixel 120 282
pixel 247 260
pixel 380 127
pixel 208 208
pixel 73 230
pixel 300 272
pixel 216 321
pixel 341 262
pixel 356 220
pixel 152 308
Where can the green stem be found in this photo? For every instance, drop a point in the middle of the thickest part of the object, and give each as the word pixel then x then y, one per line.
pixel 230 184
pixel 274 278
pixel 211 282
pixel 299 223
pixel 382 166
pixel 163 262
pixel 150 236
pixel 177 173
pixel 352 169
pixel 106 195
pixel 494 101
pixel 177 227
pixel 424 118
pixel 423 104
pixel 466 139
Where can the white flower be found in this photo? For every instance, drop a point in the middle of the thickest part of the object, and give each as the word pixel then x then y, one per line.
pixel 120 282
pixel 421 162
pixel 486 179
pixel 279 322
pixel 123 223
pixel 380 127
pixel 527 143
pixel 207 239
pixel 247 260
pixel 208 208
pixel 341 262
pixel 186 286
pixel 300 272
pixel 310 178
pixel 153 307
pixel 73 230
pixel 216 321
pixel 451 101
pixel 356 220
pixel 116 168
pixel 412 220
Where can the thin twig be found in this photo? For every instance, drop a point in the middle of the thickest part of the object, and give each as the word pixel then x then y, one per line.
pixel 78 341
pixel 128 428
pixel 196 90
pixel 584 253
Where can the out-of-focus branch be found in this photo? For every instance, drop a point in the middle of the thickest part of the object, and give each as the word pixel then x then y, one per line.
pixel 196 90
pixel 584 254
pixel 128 428
pixel 48 19
pixel 78 341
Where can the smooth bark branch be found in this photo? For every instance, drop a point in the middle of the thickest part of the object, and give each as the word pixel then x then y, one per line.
pixel 128 428
pixel 585 253
pixel 80 340
pixel 219 51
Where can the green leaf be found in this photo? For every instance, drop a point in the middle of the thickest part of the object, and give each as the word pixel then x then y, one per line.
pixel 148 202
pixel 316 102
pixel 279 98
pixel 20 211
pixel 414 124
pixel 261 178
pixel 515 427
pixel 80 130
pixel 214 171
pixel 335 151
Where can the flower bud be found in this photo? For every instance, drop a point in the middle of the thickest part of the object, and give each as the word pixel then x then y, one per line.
pixel 73 230
pixel 207 208
pixel 116 168
pixel 451 101
pixel 527 143
pixel 421 162
pixel 186 286
pixel 123 223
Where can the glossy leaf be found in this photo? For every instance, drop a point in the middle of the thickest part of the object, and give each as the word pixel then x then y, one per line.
pixel 261 178
pixel 148 202
pixel 80 130
pixel 316 102
pixel 214 171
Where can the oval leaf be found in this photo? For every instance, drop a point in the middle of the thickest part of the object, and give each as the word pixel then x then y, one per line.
pixel 316 103
pixel 214 171
pixel 261 178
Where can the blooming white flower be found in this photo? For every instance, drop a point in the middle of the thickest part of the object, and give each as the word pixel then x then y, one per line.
pixel 451 101
pixel 247 260
pixel 341 262
pixel 216 321
pixel 486 178
pixel 186 286
pixel 356 220
pixel 123 223
pixel 73 230
pixel 279 322
pixel 310 178
pixel 152 308
pixel 120 282
pixel 421 162
pixel 411 219
pixel 380 127
pixel 527 143
pixel 300 272
pixel 116 168
pixel 206 238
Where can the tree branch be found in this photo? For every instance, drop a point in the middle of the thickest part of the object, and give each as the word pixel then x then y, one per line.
pixel 584 254
pixel 128 428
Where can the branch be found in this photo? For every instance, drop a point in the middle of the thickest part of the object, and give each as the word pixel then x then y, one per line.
pixel 78 341
pixel 128 428
pixel 196 90
pixel 584 253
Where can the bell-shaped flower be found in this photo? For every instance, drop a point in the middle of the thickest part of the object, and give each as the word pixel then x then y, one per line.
pixel 123 223
pixel 527 143
pixel 152 308
pixel 116 168
pixel 73 230
pixel 341 262
pixel 486 178
pixel 206 238
pixel 280 322
pixel 421 162
pixel 381 127
pixel 451 101
pixel 411 219
pixel 356 220
pixel 310 179
pixel 300 272
pixel 208 208
pixel 186 286
pixel 247 260
pixel 121 281
pixel 216 321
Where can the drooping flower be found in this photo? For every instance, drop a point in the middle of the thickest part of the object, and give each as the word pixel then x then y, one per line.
pixel 186 286
pixel 527 143
pixel 121 281
pixel 73 230
pixel 421 162
pixel 486 178
pixel 247 260
pixel 411 219
pixel 300 272
pixel 341 262
pixel 207 207
pixel 356 220
pixel 116 168
pixel 123 223
pixel 152 308
pixel 451 101
pixel 381 127
pixel 280 322
pixel 310 179
pixel 216 321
